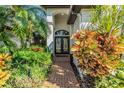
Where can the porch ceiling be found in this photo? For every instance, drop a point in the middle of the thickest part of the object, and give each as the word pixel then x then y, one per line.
pixel 74 10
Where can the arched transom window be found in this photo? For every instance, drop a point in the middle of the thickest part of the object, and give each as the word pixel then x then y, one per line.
pixel 61 33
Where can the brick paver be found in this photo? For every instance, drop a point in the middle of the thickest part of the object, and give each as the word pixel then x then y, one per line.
pixel 62 76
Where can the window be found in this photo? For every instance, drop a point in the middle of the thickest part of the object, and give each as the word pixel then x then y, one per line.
pixel 61 33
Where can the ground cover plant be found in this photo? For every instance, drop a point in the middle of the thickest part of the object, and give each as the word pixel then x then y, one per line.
pixel 29 68
pixel 23 63
pixel 99 50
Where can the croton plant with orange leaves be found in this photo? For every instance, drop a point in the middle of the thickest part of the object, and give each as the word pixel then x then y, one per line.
pixel 98 54
pixel 4 74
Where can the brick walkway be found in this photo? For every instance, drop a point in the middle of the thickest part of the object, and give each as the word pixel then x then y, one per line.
pixel 61 76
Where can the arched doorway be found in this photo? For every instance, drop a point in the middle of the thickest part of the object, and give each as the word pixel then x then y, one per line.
pixel 62 42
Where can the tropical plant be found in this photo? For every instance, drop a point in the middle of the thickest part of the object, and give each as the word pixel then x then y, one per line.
pixel 29 68
pixel 4 73
pixel 39 23
pixel 108 19
pixel 97 55
pixel 21 22
pixel 5 27
pixel 31 63
pixel 99 51
pixel 27 21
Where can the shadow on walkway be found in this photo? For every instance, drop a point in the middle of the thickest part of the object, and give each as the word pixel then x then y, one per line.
pixel 62 76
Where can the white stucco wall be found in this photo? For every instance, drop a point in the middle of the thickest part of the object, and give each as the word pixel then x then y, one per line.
pixel 59 17
pixel 57 20
pixel 50 23
pixel 61 22
pixel 82 19
pixel 50 36
pixel 74 28
pixel 86 15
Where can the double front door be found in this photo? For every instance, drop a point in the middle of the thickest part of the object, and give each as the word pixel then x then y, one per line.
pixel 62 45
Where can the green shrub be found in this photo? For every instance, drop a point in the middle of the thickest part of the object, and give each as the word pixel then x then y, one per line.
pixel 113 80
pixel 29 68
pixel 110 82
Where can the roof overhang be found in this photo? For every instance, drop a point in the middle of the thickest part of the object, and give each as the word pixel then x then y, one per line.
pixel 56 6
pixel 73 13
pixel 74 10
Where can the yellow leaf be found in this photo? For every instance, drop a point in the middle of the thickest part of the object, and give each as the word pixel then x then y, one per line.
pixel 77 42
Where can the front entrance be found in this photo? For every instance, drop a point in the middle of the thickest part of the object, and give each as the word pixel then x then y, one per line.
pixel 62 42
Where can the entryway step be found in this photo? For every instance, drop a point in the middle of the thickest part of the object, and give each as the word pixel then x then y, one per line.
pixel 62 57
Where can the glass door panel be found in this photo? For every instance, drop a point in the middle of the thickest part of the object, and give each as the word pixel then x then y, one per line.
pixel 58 45
pixel 65 45
pixel 61 45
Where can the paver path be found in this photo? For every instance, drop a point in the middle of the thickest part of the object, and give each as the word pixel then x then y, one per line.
pixel 62 76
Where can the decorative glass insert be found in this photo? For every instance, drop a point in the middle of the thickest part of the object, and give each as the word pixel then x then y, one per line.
pixel 65 44
pixel 58 45
pixel 61 33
